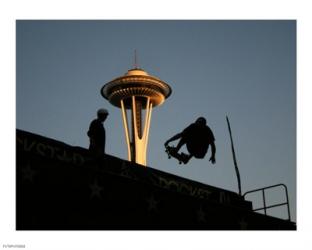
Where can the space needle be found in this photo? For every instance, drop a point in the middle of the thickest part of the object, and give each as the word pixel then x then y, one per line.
pixel 133 93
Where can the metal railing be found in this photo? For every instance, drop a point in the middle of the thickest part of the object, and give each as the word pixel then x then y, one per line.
pixel 265 207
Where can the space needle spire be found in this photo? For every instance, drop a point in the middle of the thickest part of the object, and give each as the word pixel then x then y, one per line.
pixel 134 93
pixel 135 59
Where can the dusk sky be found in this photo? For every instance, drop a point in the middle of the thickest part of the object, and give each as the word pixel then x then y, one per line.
pixel 243 69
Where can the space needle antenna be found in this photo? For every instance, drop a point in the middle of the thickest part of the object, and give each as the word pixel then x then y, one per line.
pixel 135 59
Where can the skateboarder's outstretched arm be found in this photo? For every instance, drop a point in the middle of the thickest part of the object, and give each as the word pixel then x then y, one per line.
pixel 176 137
pixel 213 153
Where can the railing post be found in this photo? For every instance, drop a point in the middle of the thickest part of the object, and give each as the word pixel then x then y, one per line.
pixel 286 191
pixel 264 203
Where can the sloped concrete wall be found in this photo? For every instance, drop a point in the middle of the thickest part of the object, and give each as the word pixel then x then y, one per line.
pixel 60 187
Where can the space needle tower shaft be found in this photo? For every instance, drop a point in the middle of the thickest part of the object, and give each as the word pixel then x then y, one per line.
pixel 134 93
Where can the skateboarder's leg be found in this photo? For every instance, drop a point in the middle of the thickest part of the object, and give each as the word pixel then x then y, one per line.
pixel 180 144
pixel 187 157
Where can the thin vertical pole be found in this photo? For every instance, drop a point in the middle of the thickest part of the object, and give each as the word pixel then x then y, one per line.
pixel 234 158
pixel 264 203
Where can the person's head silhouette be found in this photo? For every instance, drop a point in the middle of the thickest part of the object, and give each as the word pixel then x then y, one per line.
pixel 102 114
pixel 201 120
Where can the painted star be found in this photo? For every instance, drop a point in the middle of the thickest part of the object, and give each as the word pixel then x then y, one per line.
pixel 124 170
pixel 152 203
pixel 201 216
pixel 28 173
pixel 96 190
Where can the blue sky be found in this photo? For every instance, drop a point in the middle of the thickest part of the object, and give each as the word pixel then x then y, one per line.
pixel 243 69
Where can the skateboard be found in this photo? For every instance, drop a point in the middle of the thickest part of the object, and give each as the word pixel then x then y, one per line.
pixel 180 157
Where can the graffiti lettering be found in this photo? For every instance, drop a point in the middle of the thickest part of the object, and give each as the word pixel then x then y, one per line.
pixel 224 198
pixel 181 187
pixel 51 151
pixel 28 146
pixel 40 149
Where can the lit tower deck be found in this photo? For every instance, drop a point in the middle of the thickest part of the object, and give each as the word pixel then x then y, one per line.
pixel 136 91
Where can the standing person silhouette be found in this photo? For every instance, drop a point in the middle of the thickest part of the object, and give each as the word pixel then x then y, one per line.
pixel 96 133
pixel 197 137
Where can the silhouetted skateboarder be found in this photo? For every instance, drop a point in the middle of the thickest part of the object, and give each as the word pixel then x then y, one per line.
pixel 197 137
pixel 96 133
